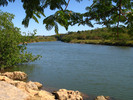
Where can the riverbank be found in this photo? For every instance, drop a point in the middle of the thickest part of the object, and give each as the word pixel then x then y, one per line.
pixel 13 87
pixel 40 39
pixel 105 42
pixel 102 36
pixel 82 38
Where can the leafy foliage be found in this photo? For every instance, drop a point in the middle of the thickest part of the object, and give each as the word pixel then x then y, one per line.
pixel 64 18
pixel 33 9
pixel 111 13
pixel 5 2
pixel 54 4
pixel 11 51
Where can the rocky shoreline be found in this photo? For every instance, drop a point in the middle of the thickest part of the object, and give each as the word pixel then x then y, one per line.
pixel 13 87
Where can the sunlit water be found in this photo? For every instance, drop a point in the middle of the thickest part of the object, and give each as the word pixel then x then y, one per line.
pixel 91 69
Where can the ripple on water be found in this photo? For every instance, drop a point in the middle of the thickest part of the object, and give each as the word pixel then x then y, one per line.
pixel 91 69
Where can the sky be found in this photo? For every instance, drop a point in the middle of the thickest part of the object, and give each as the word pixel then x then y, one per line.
pixel 16 8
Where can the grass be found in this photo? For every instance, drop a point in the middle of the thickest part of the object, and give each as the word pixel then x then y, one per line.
pixel 105 42
pixel 103 36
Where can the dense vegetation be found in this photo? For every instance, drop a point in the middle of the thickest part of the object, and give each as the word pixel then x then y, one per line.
pixel 31 39
pixel 98 36
pixel 11 51
pixel 110 13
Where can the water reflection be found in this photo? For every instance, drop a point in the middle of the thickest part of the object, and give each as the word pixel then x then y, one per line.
pixel 27 68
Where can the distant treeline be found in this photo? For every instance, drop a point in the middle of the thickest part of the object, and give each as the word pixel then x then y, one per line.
pixel 99 36
pixel 105 36
pixel 30 39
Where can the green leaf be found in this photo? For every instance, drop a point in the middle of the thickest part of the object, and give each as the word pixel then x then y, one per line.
pixel 35 19
pixel 56 28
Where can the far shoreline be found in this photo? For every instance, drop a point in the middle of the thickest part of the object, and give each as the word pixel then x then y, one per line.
pixel 102 42
pixel 93 42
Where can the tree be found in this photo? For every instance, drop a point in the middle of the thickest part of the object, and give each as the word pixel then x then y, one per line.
pixel 111 13
pixel 11 51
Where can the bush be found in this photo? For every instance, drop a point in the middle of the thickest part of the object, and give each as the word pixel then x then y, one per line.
pixel 11 51
pixel 124 36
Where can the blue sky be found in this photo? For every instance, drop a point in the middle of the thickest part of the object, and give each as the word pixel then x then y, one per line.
pixel 16 8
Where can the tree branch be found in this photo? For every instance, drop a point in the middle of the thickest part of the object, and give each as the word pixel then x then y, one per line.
pixel 67 4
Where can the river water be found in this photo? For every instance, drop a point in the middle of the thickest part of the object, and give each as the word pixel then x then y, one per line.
pixel 91 69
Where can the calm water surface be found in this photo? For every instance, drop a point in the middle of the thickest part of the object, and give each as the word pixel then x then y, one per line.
pixel 91 69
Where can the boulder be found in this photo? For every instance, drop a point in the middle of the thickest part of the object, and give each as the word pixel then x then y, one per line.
pixel 30 88
pixel 39 85
pixel 4 78
pixel 32 85
pixel 100 98
pixel 16 75
pixel 108 98
pixel 64 94
pixel 44 95
pixel 20 90
pixel 10 92
pixel 18 84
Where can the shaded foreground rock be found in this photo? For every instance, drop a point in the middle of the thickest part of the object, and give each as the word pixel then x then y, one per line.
pixel 64 94
pixel 10 92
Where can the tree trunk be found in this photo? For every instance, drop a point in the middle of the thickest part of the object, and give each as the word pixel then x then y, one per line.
pixel 117 34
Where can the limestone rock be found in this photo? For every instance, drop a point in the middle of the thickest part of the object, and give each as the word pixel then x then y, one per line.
pixel 46 95
pixel 39 85
pixel 4 78
pixel 30 88
pixel 16 75
pixel 108 97
pixel 32 85
pixel 64 94
pixel 31 92
pixel 100 98
pixel 10 92
pixel 21 90
pixel 18 84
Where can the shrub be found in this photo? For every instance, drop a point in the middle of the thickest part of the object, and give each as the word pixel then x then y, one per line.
pixel 11 51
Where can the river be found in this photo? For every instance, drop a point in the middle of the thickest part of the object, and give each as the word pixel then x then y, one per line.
pixel 91 69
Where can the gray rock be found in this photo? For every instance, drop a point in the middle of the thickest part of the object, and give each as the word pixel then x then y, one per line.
pixel 10 92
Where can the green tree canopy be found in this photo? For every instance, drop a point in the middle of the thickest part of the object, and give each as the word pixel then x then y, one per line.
pixel 111 13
